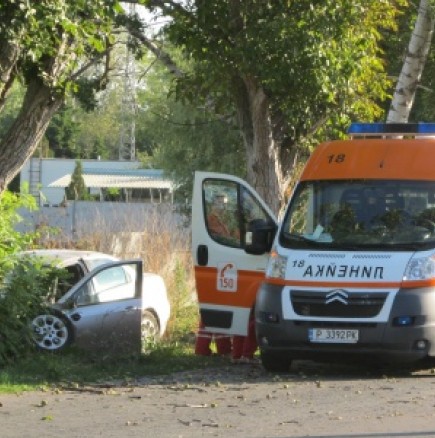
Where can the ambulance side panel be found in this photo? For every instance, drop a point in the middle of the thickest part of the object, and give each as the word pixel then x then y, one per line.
pixel 227 278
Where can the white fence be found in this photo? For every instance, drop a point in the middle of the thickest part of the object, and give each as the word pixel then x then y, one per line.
pixel 83 219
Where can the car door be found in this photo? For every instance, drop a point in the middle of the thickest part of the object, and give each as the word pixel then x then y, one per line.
pixel 105 308
pixel 227 277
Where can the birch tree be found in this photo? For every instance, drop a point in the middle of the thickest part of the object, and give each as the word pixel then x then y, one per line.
pixel 413 65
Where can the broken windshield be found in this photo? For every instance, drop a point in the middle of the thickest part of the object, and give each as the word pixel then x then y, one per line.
pixel 358 214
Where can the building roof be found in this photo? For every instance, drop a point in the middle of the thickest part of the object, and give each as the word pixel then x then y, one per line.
pixel 119 178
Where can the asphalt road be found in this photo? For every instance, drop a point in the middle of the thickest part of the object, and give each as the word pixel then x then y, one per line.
pixel 314 400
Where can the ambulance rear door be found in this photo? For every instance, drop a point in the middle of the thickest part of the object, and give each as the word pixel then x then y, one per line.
pixel 227 278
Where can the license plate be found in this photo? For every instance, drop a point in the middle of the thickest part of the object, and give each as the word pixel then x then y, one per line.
pixel 333 336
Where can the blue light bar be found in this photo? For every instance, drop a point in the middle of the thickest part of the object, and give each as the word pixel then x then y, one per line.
pixel 391 128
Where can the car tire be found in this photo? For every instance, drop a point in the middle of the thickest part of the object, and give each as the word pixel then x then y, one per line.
pixel 150 329
pixel 51 332
pixel 275 362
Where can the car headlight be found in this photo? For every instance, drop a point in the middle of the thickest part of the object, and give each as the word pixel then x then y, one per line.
pixel 277 265
pixel 422 268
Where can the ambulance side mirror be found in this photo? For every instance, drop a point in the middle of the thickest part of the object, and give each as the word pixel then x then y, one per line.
pixel 259 236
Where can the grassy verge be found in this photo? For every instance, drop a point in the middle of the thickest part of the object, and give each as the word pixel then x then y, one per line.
pixel 73 367
pixel 43 370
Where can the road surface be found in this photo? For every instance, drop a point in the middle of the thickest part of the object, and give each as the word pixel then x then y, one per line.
pixel 313 400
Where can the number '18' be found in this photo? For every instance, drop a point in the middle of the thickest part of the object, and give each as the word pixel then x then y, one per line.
pixel 336 158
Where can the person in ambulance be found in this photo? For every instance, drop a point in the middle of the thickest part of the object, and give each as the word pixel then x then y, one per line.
pixel 222 223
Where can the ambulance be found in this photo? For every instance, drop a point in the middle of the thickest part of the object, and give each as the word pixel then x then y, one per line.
pixel 348 272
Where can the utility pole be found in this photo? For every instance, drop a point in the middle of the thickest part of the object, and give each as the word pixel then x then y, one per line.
pixel 127 141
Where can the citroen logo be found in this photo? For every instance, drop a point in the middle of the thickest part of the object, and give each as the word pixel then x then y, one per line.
pixel 337 295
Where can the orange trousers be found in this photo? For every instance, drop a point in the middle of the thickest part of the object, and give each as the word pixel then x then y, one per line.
pixel 245 346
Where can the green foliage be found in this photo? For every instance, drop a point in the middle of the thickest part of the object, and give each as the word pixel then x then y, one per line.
pixel 76 189
pixel 76 133
pixel 320 64
pixel 41 27
pixel 10 239
pixel 182 137
pixel 62 133
pixel 26 289
pixel 24 284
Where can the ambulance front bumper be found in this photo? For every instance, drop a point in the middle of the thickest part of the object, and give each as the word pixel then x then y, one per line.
pixel 407 334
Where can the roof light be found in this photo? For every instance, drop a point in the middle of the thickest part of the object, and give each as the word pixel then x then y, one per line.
pixel 377 129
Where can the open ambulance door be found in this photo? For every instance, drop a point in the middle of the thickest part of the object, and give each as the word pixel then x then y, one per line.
pixel 225 209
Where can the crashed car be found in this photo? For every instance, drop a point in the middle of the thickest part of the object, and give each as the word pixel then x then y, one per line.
pixel 103 303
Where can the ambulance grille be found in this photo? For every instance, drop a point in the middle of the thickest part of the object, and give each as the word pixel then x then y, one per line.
pixel 355 305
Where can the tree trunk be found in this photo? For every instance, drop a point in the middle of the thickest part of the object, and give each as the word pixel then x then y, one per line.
pixel 412 69
pixel 264 170
pixel 24 135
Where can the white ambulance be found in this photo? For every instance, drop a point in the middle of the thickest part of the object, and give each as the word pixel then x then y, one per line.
pixel 349 271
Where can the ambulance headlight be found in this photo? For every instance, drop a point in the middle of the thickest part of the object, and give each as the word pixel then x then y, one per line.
pixel 277 265
pixel 421 268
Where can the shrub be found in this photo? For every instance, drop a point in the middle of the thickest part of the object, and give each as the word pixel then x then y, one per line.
pixel 24 283
pixel 11 240
pixel 26 291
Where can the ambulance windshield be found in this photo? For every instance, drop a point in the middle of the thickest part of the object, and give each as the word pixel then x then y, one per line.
pixel 359 214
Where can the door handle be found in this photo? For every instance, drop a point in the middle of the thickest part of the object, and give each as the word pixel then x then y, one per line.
pixel 202 255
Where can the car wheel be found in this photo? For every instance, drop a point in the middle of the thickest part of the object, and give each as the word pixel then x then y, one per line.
pixel 150 329
pixel 51 332
pixel 275 362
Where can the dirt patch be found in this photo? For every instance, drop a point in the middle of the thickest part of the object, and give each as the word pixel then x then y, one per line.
pixel 313 400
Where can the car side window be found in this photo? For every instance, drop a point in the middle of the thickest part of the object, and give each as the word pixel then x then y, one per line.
pixel 109 278
pixel 111 284
pixel 114 284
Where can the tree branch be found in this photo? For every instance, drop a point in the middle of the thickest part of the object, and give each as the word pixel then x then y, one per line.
pixel 162 56
pixel 167 6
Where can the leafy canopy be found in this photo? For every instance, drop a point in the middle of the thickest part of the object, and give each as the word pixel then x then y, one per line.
pixel 315 61
pixel 56 39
